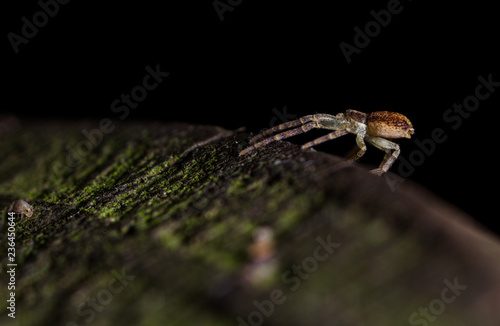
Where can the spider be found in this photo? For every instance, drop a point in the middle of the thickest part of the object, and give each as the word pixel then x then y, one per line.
pixel 373 128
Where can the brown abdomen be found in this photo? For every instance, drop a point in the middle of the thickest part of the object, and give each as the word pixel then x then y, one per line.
pixel 389 125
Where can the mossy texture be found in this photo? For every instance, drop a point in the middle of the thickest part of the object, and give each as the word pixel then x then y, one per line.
pixel 155 224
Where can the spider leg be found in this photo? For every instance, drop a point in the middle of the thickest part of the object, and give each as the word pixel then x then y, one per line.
pixel 362 147
pixel 282 126
pixel 319 117
pixel 391 150
pixel 322 139
pixel 283 135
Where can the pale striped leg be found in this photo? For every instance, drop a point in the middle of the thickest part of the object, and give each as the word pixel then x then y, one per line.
pixel 391 150
pixel 362 147
pixel 322 139
pixel 389 159
pixel 282 126
pixel 283 135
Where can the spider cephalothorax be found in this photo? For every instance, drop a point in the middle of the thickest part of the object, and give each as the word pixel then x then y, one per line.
pixel 373 128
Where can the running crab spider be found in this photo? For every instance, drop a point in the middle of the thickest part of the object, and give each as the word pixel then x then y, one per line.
pixel 375 128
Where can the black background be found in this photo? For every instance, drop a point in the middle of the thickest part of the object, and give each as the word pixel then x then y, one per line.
pixel 264 56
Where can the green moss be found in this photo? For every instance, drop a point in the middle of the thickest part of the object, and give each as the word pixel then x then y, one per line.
pixel 181 218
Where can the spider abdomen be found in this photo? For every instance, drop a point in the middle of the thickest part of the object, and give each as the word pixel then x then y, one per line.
pixel 388 125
